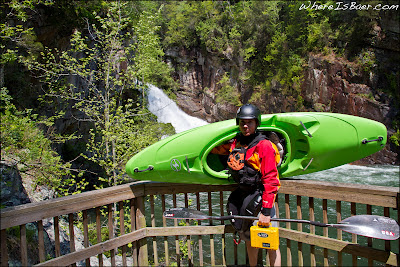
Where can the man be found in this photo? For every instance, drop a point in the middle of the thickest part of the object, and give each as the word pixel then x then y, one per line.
pixel 252 163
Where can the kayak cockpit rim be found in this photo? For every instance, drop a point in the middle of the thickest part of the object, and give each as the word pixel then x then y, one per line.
pixel 223 174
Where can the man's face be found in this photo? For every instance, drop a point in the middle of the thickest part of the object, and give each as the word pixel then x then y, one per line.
pixel 247 126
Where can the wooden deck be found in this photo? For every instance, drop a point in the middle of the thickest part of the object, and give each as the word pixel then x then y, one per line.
pixel 125 223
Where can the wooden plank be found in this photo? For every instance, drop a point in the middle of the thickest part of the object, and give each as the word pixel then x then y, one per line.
pixel 85 234
pixel 312 230
pixel 98 232
pixel 133 228
pixel 36 211
pixel 222 213
pixel 200 237
pixel 71 234
pixel 110 214
pixel 24 246
pixel 143 257
pixel 212 249
pixel 153 224
pixel 177 251
pixel 325 229
pixel 188 241
pixel 334 186
pixel 342 246
pixel 95 249
pixel 57 248
pixel 189 230
pixel 381 196
pixel 300 229
pixel 42 253
pixel 122 229
pixel 288 225
pixel 166 250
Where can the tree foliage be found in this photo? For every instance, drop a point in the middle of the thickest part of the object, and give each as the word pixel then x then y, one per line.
pixel 100 80
pixel 24 145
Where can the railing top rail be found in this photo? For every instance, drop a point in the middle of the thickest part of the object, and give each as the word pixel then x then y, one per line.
pixel 349 187
pixel 364 194
pixel 18 215
pixel 36 211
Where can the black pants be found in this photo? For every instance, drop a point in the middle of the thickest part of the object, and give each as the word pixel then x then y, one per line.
pixel 244 202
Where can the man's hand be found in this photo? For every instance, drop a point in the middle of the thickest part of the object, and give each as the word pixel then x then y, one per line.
pixel 264 220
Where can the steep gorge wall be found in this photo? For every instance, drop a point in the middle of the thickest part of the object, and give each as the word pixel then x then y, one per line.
pixel 330 84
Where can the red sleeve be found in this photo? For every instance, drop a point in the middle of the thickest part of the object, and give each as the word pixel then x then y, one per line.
pixel 269 174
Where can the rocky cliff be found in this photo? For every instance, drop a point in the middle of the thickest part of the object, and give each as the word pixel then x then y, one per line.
pixel 330 84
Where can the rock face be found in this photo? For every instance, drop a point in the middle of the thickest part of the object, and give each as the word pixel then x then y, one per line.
pixel 330 84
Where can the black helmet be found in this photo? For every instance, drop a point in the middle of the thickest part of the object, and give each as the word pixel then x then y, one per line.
pixel 248 111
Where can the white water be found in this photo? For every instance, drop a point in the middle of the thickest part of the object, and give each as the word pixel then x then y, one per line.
pixel 385 175
pixel 167 111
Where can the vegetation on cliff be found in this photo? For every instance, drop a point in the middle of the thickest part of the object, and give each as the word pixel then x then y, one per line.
pixel 84 74
pixel 269 41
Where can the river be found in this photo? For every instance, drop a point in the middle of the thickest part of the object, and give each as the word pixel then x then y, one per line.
pixel 381 175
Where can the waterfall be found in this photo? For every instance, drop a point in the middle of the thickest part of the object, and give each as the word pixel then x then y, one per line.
pixel 167 111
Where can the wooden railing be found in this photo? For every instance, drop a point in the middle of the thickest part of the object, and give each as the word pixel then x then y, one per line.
pixel 125 223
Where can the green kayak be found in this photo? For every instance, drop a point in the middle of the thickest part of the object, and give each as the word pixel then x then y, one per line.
pixel 312 141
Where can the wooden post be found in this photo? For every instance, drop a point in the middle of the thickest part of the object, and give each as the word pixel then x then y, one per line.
pixel 143 257
pixel 86 234
pixel 212 250
pixel 153 224
pixel 57 247
pixel 111 230
pixel 24 246
pixel 71 233
pixel 166 252
pixel 312 230
pixel 221 204
pixel 42 256
pixel 177 250
pixel 300 229
pixel 133 228
pixel 325 229
pixel 288 241
pixel 122 229
pixel 339 232
pixel 201 258
pixel 98 231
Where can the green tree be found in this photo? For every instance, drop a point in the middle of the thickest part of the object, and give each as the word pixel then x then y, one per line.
pixel 96 80
pixel 24 146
